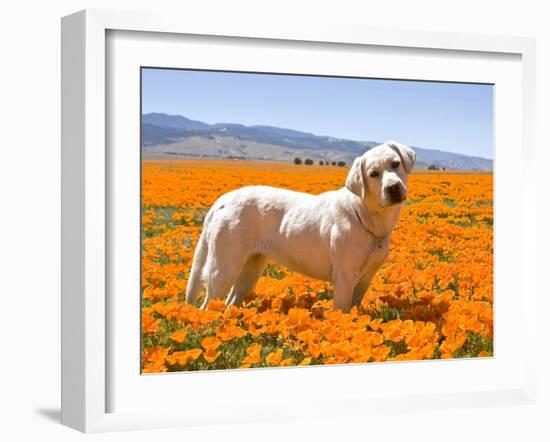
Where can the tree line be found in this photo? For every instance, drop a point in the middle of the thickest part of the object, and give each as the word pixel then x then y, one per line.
pixel 309 162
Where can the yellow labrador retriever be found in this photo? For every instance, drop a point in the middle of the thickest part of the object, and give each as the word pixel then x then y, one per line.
pixel 341 236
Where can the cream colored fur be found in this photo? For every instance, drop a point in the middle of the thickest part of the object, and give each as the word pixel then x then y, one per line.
pixel 340 236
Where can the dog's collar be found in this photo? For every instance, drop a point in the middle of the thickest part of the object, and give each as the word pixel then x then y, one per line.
pixel 379 239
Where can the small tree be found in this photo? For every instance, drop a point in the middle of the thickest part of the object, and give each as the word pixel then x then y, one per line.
pixel 321 163
pixel 333 163
pixel 297 161
pixel 308 162
pixel 433 167
pixel 341 163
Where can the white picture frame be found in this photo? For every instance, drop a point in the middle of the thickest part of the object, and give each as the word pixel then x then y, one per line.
pixel 86 209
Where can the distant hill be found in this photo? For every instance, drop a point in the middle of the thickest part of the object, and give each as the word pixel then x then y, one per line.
pixel 173 121
pixel 175 135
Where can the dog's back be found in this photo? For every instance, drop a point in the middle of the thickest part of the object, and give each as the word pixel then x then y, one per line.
pixel 255 221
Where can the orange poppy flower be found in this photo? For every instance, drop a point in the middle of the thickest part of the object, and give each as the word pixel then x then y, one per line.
pixel 211 343
pixel 228 333
pixel 275 357
pixel 184 357
pixel 210 355
pixel 216 305
pixel 253 354
pixel 179 335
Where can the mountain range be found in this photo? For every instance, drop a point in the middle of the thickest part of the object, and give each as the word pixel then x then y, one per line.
pixel 168 136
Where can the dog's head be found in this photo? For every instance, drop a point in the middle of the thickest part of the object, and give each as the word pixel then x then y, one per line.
pixel 379 176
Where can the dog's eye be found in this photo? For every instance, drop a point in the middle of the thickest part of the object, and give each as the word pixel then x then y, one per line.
pixel 374 174
pixel 395 164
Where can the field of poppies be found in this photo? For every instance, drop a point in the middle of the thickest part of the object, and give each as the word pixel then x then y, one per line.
pixel 433 298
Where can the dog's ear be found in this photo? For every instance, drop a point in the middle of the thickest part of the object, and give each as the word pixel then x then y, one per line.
pixel 355 181
pixel 407 155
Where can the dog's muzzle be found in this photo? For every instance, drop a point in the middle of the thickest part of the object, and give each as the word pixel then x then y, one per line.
pixel 396 193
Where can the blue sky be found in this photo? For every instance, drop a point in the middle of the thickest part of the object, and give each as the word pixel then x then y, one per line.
pixel 454 117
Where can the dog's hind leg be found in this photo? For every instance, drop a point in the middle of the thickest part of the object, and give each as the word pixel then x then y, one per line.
pixel 222 273
pixel 247 279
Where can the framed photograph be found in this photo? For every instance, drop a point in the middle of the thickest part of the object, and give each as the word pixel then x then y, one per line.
pixel 273 222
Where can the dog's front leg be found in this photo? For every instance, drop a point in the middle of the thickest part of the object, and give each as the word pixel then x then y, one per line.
pixel 361 288
pixel 359 291
pixel 344 284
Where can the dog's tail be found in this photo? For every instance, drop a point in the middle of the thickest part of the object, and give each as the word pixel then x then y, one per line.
pixel 195 283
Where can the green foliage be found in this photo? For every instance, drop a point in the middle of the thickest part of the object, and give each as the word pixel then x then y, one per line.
pixel 273 271
pixel 386 313
pixel 475 343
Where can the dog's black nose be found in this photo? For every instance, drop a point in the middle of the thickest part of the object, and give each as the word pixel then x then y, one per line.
pixel 395 192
